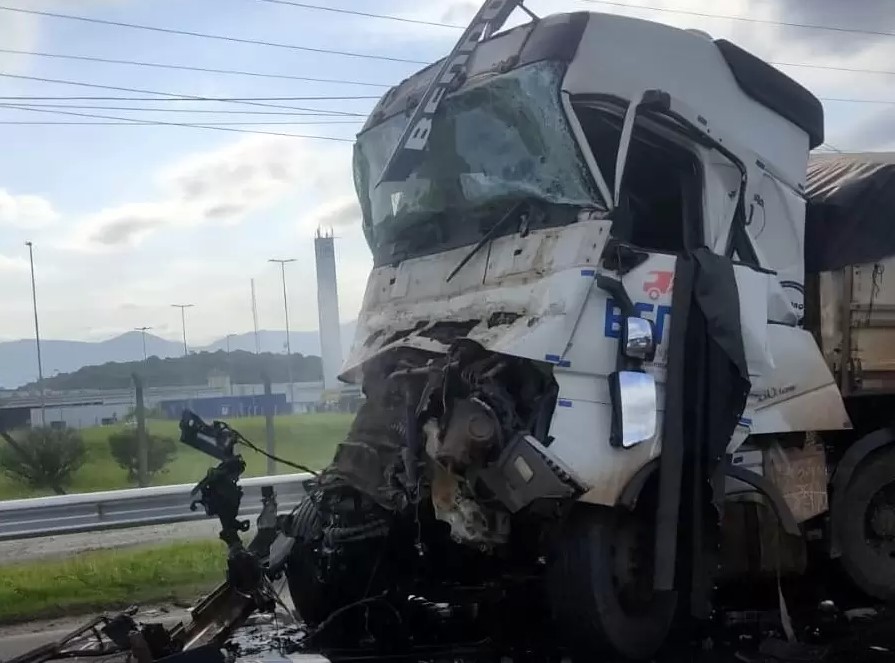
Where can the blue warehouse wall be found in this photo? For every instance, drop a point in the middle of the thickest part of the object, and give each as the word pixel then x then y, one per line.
pixel 220 407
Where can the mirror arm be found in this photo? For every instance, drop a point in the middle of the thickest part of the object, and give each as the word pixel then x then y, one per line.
pixel 617 289
pixel 624 144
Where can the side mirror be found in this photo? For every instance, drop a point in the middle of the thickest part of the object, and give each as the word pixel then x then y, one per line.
pixel 634 409
pixel 638 339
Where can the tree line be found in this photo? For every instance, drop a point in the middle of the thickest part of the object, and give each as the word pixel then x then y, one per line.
pixel 242 367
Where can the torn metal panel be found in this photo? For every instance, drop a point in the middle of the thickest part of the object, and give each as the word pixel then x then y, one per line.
pixel 522 299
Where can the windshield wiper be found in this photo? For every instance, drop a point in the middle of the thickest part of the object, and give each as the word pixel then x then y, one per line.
pixel 510 215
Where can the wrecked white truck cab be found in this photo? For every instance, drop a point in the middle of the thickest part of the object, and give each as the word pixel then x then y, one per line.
pixel 585 312
pixel 565 112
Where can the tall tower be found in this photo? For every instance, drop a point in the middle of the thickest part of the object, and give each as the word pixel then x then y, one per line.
pixel 328 308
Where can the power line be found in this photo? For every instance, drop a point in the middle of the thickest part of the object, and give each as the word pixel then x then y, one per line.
pixel 353 12
pixel 745 19
pixel 183 67
pixel 25 101
pixel 180 97
pixel 304 5
pixel 156 99
pixel 175 98
pixel 4 101
pixel 238 72
pixel 626 5
pixel 178 124
pixel 853 70
pixel 206 35
pixel 130 123
pixel 858 101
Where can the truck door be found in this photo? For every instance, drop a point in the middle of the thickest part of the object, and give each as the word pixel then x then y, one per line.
pixel 661 213
pixel 662 200
pixel 658 183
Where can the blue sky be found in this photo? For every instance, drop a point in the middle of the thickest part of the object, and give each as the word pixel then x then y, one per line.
pixel 127 220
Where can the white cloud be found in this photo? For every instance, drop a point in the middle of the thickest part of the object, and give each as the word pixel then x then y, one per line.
pixel 122 225
pixel 9 264
pixel 25 211
pixel 222 186
pixel 18 32
pixel 21 32
pixel 337 213
pixel 873 15
pixel 299 185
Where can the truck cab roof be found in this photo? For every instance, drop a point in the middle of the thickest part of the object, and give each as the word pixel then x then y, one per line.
pixel 618 56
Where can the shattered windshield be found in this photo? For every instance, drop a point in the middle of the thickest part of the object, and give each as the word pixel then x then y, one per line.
pixel 502 139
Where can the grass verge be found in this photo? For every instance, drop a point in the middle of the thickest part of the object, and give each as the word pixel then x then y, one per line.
pixel 308 439
pixel 109 579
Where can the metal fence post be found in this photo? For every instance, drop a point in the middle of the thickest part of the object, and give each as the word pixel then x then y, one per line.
pixel 268 425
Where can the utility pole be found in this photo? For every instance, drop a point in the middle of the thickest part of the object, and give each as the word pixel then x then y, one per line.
pixel 183 308
pixel 255 320
pixel 40 370
pixel 268 426
pixel 282 264
pixel 229 366
pixel 142 439
pixel 143 331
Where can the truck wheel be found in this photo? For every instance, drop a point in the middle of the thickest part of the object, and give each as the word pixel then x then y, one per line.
pixel 600 585
pixel 313 600
pixel 867 526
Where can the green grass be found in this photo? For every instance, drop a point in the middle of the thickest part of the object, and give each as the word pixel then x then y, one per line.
pixel 106 580
pixel 308 439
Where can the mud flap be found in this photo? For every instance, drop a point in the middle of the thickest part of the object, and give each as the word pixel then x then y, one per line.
pixel 706 390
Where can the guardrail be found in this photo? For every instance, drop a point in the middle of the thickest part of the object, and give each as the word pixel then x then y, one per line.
pixel 134 507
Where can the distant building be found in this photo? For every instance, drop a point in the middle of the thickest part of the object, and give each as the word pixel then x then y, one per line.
pixel 221 407
pixel 85 414
pixel 84 408
pixel 328 310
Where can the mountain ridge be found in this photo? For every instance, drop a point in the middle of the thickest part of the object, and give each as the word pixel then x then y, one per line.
pixel 18 361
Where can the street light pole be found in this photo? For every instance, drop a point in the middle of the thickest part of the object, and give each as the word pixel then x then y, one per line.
pixel 40 370
pixel 183 308
pixel 229 366
pixel 143 331
pixel 282 263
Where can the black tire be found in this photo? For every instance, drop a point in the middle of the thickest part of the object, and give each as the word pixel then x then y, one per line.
pixel 588 605
pixel 313 600
pixel 866 526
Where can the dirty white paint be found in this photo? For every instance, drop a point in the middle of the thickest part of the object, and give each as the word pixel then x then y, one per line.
pixel 537 278
pixel 536 296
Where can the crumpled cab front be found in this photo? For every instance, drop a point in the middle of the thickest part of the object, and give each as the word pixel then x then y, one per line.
pixel 521 295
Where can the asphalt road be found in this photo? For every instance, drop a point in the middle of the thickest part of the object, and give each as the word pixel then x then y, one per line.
pixel 20 638
pixel 64 545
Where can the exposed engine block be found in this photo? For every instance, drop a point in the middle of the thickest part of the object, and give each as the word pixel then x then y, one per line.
pixel 465 433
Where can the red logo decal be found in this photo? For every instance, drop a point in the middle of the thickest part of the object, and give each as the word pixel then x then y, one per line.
pixel 659 285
